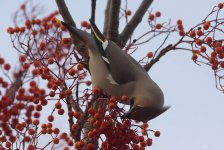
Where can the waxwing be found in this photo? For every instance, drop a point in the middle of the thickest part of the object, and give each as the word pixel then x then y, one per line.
pixel 118 74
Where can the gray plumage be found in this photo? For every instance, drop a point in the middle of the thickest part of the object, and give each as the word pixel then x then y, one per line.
pixel 118 74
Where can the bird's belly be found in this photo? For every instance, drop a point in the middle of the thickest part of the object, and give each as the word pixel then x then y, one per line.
pixel 99 75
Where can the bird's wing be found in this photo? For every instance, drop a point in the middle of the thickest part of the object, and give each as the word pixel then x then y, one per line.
pixel 123 68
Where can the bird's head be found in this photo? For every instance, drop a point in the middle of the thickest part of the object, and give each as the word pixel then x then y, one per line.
pixel 85 37
pixel 94 42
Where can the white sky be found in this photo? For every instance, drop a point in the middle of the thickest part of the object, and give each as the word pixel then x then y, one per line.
pixel 195 120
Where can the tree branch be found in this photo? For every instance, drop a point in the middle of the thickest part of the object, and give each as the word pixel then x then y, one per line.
pixel 93 10
pixel 114 20
pixel 82 50
pixel 63 9
pixel 156 59
pixel 106 18
pixel 133 23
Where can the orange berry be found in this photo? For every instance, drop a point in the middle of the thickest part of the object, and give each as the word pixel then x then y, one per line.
pixel 199 33
pixel 181 32
pixel 143 144
pixel 124 98
pixel 203 49
pixel 66 41
pixel 80 66
pixel 151 17
pixel 128 12
pixel 34 32
pixel 56 131
pixel 194 57
pixel 71 72
pixel 206 25
pixel 144 132
pixel 218 50
pixel 90 146
pixel 31 147
pixel 2 61
pixel 31 131
pixel 158 14
pixel 211 60
pixel 61 111
pixel 88 26
pixel 23 6
pixel 8 144
pixel 222 64
pixel 84 23
pixel 7 66
pixel 42 46
pixel 70 113
pixel 96 91
pixel 145 125
pixel 77 115
pixel 149 142
pixel 111 106
pixel 220 5
pixel 52 94
pixel 75 126
pixel 97 116
pixel 16 29
pixel 58 105
pixel 68 92
pixel 49 125
pixel 90 134
pixel 192 34
pixel 179 22
pixel 50 118
pixel 199 42
pixel 158 26
pixel 50 60
pixel 10 30
pixel 22 58
pixel 91 111
pixel 157 133
pixel 150 54
pixel 36 122
pixel 55 140
pixel 214 66
pixel 88 83
pixel 209 40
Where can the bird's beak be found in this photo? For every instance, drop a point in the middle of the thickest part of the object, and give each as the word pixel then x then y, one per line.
pixel 79 34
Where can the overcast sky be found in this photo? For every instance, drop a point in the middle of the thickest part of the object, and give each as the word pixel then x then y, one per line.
pixel 195 120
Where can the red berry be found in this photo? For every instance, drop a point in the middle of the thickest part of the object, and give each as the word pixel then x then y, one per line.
pixel 157 133
pixel 22 58
pixel 128 12
pixel 84 23
pixel 150 54
pixel 158 14
pixel 220 5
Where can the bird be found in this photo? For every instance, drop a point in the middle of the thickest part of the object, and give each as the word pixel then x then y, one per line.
pixel 117 73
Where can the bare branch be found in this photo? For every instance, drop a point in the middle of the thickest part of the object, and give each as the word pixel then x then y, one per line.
pixel 156 59
pixel 106 18
pixel 83 51
pixel 93 10
pixel 133 23
pixel 114 20
pixel 63 9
